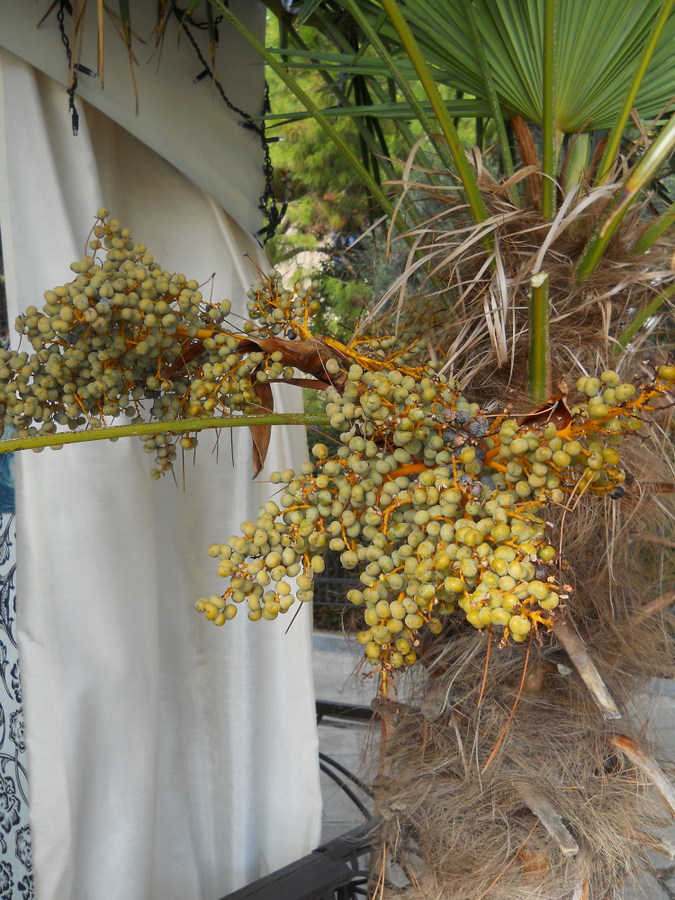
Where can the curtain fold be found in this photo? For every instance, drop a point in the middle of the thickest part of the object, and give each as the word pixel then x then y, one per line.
pixel 181 115
pixel 166 758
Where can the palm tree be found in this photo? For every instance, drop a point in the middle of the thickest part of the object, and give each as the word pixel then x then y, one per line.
pixel 552 261
pixel 528 268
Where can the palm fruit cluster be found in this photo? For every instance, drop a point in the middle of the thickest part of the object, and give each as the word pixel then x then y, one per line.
pixel 438 507
pixel 126 337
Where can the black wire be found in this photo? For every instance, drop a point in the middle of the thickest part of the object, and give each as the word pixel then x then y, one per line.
pixel 348 791
pixel 267 204
pixel 353 778
pixel 64 6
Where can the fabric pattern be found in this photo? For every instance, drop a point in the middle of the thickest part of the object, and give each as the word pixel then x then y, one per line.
pixel 16 879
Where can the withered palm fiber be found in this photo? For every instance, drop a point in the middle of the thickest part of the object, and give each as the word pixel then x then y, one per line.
pixel 483 725
pixel 451 768
pixel 475 835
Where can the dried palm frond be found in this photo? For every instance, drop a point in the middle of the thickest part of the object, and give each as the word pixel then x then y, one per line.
pixel 479 297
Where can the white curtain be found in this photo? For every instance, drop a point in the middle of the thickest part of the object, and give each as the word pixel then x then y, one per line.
pixel 167 758
pixel 187 123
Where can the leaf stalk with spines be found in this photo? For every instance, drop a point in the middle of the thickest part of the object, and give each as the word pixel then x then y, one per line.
pixel 497 115
pixel 549 137
pixel 418 60
pixel 402 84
pixel 643 173
pixel 659 227
pixel 376 146
pixel 322 120
pixel 147 429
pixel 652 307
pixel 538 357
pixel 614 139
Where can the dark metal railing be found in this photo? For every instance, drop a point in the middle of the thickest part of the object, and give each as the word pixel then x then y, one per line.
pixel 332 610
pixel 334 871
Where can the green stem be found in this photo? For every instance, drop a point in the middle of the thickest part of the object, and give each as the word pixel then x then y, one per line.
pixel 343 100
pixel 643 173
pixel 577 161
pixel 442 150
pixel 415 55
pixel 629 333
pixel 549 143
pixel 379 47
pixel 146 429
pixel 614 139
pixel 538 360
pixel 655 230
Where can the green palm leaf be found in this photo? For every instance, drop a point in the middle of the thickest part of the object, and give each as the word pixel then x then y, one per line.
pixel 599 48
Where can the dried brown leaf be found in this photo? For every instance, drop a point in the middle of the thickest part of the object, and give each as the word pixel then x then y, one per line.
pixel 529 156
pixel 261 434
pixel 554 410
pixel 310 356
pixel 312 384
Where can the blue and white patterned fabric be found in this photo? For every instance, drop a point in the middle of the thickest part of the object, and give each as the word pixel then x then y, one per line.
pixel 16 880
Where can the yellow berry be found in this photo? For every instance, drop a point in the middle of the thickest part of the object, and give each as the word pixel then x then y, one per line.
pixel 397 609
pixel 453 585
pixel 500 616
pixel 473 618
pixel 562 459
pixel 435 626
pixel 539 590
pixel 485 615
pixel 370 616
pixel 519 625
